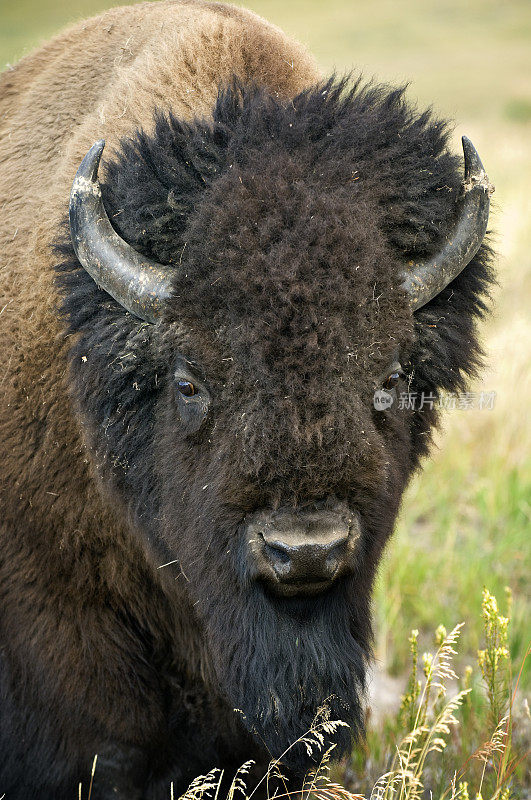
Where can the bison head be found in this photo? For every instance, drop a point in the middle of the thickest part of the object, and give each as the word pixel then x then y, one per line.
pixel 313 253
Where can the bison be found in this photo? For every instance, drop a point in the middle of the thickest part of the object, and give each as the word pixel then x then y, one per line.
pixel 196 484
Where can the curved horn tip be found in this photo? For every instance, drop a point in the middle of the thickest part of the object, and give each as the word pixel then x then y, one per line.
pixel 90 164
pixel 473 164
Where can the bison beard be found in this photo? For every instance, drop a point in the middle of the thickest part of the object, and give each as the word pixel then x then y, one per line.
pixel 280 661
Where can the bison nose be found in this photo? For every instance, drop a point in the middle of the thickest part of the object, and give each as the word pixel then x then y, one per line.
pixel 305 559
pixel 301 554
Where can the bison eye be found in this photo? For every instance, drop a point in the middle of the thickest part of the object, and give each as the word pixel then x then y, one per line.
pixel 393 378
pixel 192 399
pixel 187 388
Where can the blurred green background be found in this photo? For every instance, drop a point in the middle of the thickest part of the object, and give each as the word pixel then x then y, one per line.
pixel 466 520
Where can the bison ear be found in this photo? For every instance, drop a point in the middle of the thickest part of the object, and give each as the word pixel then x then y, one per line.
pixel 426 280
pixel 140 285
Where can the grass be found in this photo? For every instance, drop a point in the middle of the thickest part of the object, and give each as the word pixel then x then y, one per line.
pixel 452 734
pixel 465 521
pixel 469 532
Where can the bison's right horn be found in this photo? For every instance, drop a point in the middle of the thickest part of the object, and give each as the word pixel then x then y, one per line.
pixel 424 281
pixel 140 285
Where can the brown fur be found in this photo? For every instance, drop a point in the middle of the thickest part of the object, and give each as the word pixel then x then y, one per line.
pixel 100 79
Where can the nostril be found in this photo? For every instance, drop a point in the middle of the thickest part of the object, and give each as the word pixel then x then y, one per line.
pixel 276 554
pixel 335 557
pixel 337 549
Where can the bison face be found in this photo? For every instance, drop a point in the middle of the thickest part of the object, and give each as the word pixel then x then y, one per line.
pixel 240 430
pixel 275 502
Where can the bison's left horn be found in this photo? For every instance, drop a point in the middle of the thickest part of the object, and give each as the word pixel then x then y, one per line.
pixel 140 285
pixel 424 281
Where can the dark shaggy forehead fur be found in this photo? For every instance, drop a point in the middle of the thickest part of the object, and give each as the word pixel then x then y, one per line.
pixel 288 224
